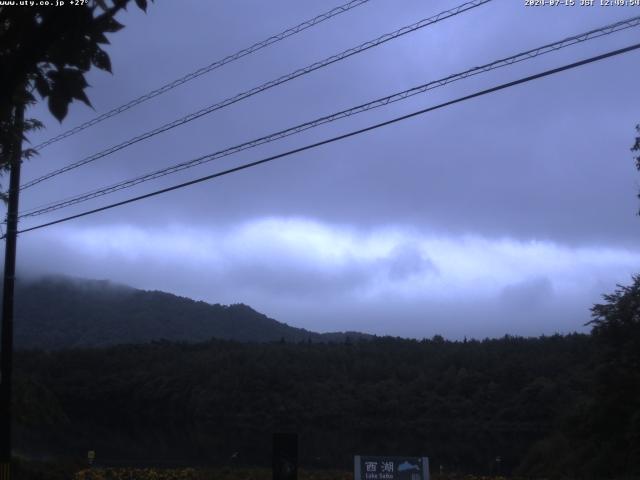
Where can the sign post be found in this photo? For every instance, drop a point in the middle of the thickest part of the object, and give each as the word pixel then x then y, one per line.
pixel 390 468
pixel 285 456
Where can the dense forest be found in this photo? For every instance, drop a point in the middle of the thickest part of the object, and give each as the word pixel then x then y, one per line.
pixel 556 406
pixel 461 403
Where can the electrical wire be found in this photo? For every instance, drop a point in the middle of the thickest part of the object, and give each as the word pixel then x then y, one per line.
pixel 342 137
pixel 265 86
pixel 527 55
pixel 206 69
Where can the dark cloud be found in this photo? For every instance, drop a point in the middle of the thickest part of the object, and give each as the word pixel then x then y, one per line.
pixel 548 161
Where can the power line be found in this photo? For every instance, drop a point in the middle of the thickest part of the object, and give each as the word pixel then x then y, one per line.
pixel 342 137
pixel 201 71
pixel 527 55
pixel 265 86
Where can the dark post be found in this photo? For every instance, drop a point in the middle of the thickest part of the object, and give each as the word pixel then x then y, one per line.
pixel 285 456
pixel 6 356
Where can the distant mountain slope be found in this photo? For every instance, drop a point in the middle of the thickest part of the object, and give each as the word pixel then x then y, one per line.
pixel 60 312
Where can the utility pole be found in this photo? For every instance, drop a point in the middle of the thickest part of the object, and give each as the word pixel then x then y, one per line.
pixel 6 355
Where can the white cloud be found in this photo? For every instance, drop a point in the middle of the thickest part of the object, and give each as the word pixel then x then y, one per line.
pixel 327 277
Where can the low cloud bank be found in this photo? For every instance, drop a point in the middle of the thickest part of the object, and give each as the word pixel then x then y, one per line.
pixel 389 280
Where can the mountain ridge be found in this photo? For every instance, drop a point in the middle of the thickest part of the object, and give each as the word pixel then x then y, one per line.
pixel 54 312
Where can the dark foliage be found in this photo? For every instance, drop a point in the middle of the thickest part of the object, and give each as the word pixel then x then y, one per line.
pixel 23 469
pixel 600 438
pixel 461 403
pixel 615 412
pixel 560 406
pixel 48 50
pixel 636 148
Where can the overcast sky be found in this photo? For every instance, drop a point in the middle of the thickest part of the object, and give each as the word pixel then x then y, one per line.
pixel 511 213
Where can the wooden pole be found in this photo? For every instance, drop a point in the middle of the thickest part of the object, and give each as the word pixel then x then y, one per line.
pixel 6 355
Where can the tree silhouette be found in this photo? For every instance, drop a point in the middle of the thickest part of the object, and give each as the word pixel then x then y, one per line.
pixel 48 50
pixel 636 148
pixel 615 415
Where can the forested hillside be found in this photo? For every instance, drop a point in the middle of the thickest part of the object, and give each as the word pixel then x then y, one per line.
pixel 461 403
pixel 559 406
pixel 59 312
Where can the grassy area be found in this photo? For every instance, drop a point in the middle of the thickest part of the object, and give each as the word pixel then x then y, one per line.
pixel 30 470
pixel 200 474
pixel 42 470
pixel 230 474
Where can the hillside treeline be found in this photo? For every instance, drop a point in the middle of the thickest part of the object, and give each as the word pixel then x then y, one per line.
pixel 558 406
pixel 461 403
pixel 59 312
